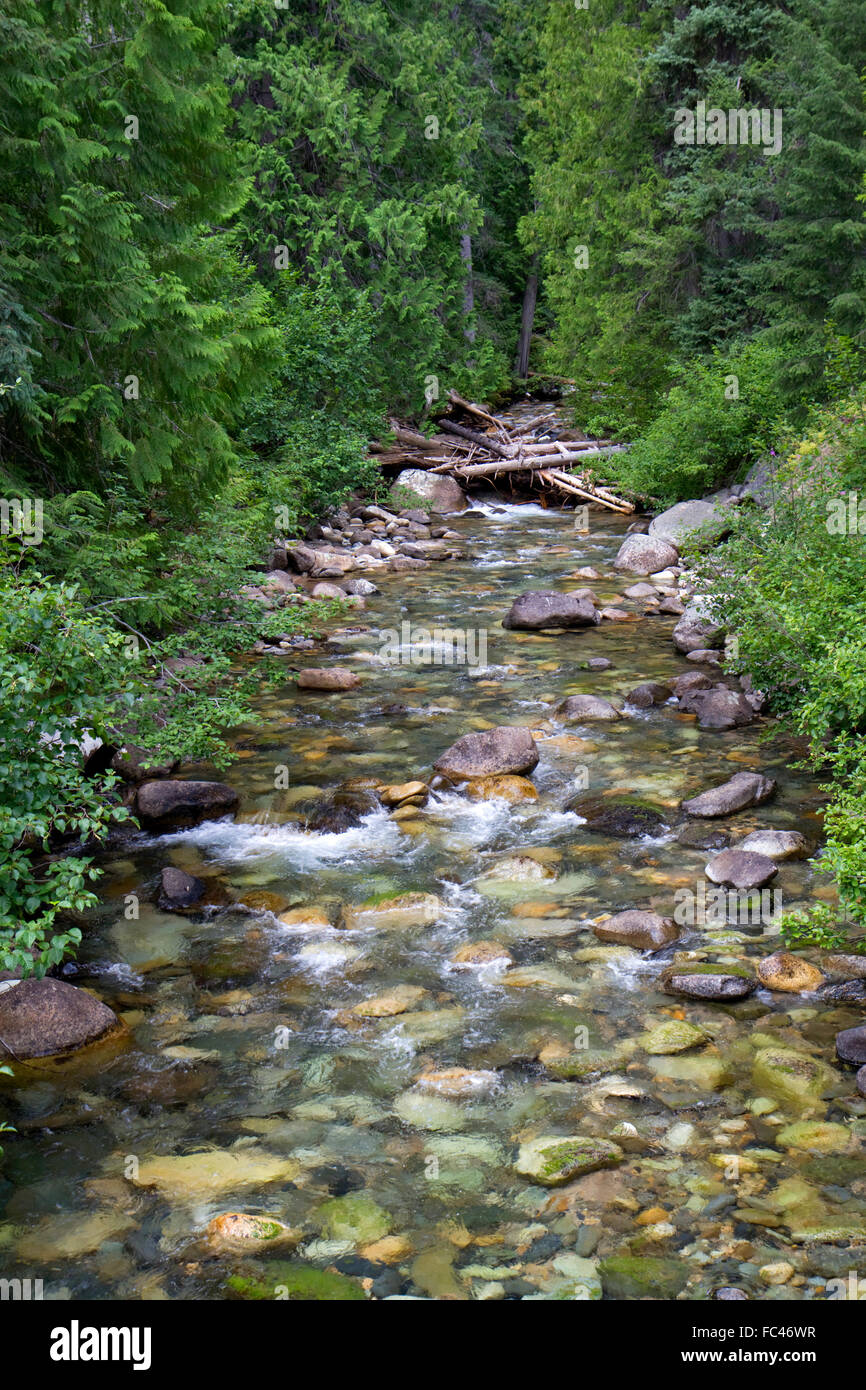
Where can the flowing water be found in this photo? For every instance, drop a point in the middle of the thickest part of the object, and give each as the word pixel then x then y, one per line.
pixel 244 1058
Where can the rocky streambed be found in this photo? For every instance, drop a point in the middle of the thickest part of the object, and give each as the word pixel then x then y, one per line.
pixel 468 985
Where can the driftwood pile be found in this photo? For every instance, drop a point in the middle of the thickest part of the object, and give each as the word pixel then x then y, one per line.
pixel 472 443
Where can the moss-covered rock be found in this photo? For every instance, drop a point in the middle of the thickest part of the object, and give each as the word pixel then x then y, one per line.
pixel 794 1077
pixel 555 1159
pixel 642 1276
pixel 297 1281
pixel 353 1217
pixel 675 1035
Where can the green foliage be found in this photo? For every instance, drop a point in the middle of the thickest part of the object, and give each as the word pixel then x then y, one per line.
pixel 125 313
pixel 790 583
pixel 53 660
pixel 693 248
pixel 719 418
pixel 363 131
pixel 815 927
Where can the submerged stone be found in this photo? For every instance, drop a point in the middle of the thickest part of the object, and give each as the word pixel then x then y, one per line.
pixel 554 1160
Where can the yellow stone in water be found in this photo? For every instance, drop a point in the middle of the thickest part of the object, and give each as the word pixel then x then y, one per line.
pixel 508 788
pixel 311 916
pixel 388 1251
pixel 71 1235
pixel 480 953
pixel 457 1082
pixel 194 1177
pixel 395 1001
pixel 394 795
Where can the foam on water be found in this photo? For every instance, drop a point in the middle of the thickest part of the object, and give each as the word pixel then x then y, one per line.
pixel 376 837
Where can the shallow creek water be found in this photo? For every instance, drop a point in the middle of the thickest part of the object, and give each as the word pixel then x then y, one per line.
pixel 241 1043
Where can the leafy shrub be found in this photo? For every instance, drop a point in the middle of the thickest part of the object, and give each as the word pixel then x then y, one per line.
pixel 715 422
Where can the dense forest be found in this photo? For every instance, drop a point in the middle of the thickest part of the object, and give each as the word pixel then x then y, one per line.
pixel 236 239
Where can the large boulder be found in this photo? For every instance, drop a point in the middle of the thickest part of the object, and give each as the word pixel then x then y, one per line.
pixel 620 816
pixel 742 790
pixel 644 930
pixel 443 493
pixel 738 868
pixel 645 555
pixel 680 523
pixel 46 1018
pixel 789 974
pixel 708 981
pixel 171 802
pixel 776 844
pixel 695 631
pixel 585 709
pixel 504 750
pixel 719 708
pixel 541 608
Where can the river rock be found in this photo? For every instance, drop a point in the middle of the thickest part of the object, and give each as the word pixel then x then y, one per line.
pixel 789 974
pixel 238 1233
pixel 179 890
pixel 135 764
pixel 324 590
pixel 645 555
pixel 396 913
pixel 792 1076
pixel 457 1083
pixel 585 709
pixel 850 1043
pixel 673 1036
pixel 398 1000
pixel 642 1276
pixel 47 1018
pixel 620 816
pixel 697 836
pixel 776 844
pixel 719 708
pixel 443 493
pixel 361 588
pixel 510 789
pixel 679 523
pixel 742 790
pixel 644 930
pixel 353 1217
pixel 170 802
pixel 861 1081
pixel 199 1176
pixel 342 810
pixel 519 868
pixel 481 953
pixel 708 981
pixel 736 868
pixel 399 793
pixel 322 678
pixel 690 681
pixel 649 694
pixel 695 630
pixel 546 608
pixel 554 1159
pixel 504 750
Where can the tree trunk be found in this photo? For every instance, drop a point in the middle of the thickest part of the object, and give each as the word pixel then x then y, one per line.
pixel 468 286
pixel 530 295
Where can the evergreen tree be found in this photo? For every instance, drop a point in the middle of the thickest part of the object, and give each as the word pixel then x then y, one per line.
pixel 124 311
